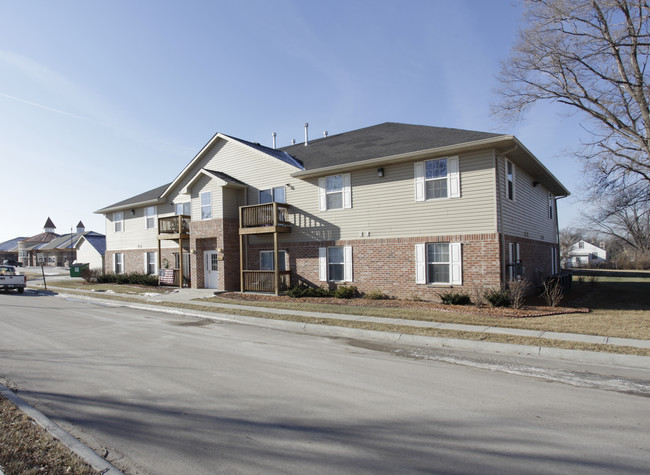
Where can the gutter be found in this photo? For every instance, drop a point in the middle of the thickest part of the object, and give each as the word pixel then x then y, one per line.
pixel 404 157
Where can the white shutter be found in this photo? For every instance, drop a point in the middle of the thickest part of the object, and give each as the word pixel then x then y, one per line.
pixel 418 170
pixel 347 191
pixel 453 175
pixel 456 263
pixel 145 262
pixel 322 199
pixel 347 263
pixel 322 264
pixel 420 264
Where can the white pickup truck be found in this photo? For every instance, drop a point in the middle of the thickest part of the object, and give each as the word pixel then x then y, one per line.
pixel 9 279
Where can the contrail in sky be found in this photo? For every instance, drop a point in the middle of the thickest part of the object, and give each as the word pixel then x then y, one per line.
pixel 40 106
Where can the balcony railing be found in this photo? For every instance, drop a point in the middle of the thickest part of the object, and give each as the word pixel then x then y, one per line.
pixel 174 225
pixel 264 280
pixel 272 215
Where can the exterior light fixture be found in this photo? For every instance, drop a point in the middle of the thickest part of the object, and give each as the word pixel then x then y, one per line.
pixel 380 172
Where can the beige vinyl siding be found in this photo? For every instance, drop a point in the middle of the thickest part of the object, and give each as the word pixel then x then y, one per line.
pixel 232 199
pixel 87 254
pixel 384 207
pixel 257 170
pixel 135 236
pixel 202 185
pixel 526 216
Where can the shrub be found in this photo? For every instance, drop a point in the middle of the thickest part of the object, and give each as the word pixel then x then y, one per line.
pixel 553 291
pixel 479 295
pixel 134 278
pixel 517 290
pixel 375 295
pixel 90 275
pixel 498 298
pixel 455 298
pixel 303 290
pixel 345 292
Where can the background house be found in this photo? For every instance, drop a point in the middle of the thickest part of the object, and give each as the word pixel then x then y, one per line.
pixel 405 209
pixel 90 249
pixel 585 254
pixel 51 249
pixel 29 249
pixel 9 249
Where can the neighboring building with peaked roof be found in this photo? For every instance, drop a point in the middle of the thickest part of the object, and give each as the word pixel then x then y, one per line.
pixel 585 254
pixel 29 249
pixel 51 249
pixel 406 209
pixel 90 249
pixel 9 249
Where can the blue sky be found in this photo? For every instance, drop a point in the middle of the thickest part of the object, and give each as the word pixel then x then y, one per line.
pixel 100 101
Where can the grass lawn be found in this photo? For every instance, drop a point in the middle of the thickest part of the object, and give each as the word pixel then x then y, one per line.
pixel 620 307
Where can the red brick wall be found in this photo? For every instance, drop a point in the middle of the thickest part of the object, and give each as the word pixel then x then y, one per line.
pixel 389 264
pixel 535 257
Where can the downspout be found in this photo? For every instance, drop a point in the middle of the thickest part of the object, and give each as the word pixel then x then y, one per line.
pixel 557 231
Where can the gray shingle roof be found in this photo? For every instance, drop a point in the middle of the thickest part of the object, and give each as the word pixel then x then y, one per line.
pixel 11 245
pixel 98 241
pixel 225 177
pixel 377 141
pixel 150 195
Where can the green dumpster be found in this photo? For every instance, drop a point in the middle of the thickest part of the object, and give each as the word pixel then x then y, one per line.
pixel 76 270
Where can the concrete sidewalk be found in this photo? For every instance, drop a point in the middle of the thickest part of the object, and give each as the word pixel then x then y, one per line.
pixel 190 296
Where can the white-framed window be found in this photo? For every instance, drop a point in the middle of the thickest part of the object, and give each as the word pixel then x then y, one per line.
pixel 554 263
pixel 150 263
pixel 266 260
pixel 183 209
pixel 510 180
pixel 335 264
pixel 335 192
pixel 206 205
pixel 272 195
pixel 550 205
pixel 435 179
pixel 118 221
pixel 515 268
pixel 118 263
pixel 150 217
pixel 438 263
pixel 581 244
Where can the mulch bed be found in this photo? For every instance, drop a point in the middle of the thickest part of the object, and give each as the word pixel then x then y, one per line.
pixel 526 311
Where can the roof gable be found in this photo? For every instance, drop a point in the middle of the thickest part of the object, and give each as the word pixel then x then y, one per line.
pixel 279 155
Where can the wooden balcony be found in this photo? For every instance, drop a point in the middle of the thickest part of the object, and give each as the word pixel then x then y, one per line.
pixel 265 218
pixel 264 281
pixel 174 227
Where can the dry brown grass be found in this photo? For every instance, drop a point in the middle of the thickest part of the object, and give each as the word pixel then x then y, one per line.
pixel 26 448
pixel 556 323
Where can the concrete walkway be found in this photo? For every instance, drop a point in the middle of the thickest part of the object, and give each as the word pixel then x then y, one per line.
pixel 190 296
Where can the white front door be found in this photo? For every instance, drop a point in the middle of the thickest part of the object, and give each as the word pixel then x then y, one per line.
pixel 211 265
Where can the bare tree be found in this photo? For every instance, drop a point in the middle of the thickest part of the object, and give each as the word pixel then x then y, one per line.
pixel 590 55
pixel 625 216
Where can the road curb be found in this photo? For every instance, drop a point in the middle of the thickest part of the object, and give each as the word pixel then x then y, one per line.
pixel 82 450
pixel 582 356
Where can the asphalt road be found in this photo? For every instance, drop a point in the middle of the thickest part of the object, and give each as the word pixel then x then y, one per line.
pixel 166 394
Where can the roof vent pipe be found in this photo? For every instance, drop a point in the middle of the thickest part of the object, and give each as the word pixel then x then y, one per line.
pixel 274 135
pixel 306 134
pixel 325 134
pixel 293 141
